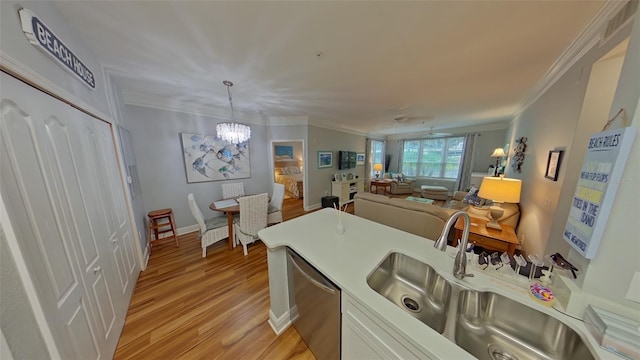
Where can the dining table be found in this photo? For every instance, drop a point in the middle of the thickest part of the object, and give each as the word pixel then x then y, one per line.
pixel 230 211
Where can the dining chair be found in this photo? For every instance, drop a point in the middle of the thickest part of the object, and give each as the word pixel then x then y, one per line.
pixel 253 218
pixel 211 230
pixel 274 212
pixel 232 190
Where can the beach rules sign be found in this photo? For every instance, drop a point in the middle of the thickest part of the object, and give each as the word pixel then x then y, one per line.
pixel 598 182
pixel 40 36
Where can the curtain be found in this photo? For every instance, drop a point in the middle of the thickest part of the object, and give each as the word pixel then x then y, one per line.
pixel 367 163
pixel 464 178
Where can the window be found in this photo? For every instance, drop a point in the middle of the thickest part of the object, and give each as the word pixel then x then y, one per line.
pixel 434 158
pixel 377 155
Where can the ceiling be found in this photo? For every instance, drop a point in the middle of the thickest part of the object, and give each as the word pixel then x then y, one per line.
pixel 348 65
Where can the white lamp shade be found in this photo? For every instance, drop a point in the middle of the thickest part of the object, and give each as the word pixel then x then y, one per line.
pixel 500 189
pixel 377 167
pixel 498 152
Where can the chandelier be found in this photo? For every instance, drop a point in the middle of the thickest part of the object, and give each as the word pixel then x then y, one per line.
pixel 231 131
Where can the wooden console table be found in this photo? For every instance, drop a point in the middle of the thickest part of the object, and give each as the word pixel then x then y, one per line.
pixel 488 238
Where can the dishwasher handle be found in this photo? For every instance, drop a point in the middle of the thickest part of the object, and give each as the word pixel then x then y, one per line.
pixel 312 280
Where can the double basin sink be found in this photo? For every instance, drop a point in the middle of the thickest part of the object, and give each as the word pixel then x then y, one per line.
pixel 485 324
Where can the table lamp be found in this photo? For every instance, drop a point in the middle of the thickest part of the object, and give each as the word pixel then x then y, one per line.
pixel 377 168
pixel 498 153
pixel 499 190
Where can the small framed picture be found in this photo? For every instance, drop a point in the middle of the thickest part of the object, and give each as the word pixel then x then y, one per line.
pixel 325 159
pixel 360 159
pixel 344 176
pixel 553 165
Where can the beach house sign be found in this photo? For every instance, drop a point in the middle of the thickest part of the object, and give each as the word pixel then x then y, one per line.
pixel 43 38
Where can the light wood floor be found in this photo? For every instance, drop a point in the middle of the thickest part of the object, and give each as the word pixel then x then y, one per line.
pixel 188 307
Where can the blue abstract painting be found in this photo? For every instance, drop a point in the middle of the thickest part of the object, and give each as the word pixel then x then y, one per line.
pixel 208 158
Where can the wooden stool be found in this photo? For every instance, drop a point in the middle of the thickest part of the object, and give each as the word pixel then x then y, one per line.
pixel 161 227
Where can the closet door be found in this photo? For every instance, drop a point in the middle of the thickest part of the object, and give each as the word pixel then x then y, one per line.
pixel 59 179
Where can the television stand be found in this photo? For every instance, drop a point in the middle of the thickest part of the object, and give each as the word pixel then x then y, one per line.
pixel 345 190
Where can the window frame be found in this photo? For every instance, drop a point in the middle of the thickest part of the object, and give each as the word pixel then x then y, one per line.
pixel 444 162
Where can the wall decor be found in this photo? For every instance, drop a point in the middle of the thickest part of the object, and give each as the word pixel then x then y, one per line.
pixel 325 159
pixel 553 165
pixel 208 158
pixel 284 150
pixel 518 156
pixel 600 176
pixel 360 159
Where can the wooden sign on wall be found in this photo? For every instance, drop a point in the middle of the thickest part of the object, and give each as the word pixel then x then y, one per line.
pixel 600 176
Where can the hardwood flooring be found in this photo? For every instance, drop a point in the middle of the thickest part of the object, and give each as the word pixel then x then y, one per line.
pixel 188 307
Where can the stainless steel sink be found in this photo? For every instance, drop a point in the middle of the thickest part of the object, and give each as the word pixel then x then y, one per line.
pixel 485 324
pixel 414 287
pixel 491 326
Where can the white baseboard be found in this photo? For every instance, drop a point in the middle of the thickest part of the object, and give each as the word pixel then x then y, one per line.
pixel 313 207
pixel 279 325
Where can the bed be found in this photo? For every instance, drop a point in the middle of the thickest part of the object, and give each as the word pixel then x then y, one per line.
pixel 289 174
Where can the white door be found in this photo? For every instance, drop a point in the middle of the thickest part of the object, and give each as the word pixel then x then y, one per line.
pixel 61 187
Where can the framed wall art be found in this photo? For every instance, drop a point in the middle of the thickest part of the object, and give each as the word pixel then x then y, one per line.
pixel 553 165
pixel 325 159
pixel 208 158
pixel 360 159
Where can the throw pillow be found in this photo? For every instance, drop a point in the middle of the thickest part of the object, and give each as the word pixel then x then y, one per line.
pixel 472 197
pixel 294 170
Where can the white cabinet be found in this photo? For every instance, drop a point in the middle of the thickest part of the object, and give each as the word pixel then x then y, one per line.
pixel 364 336
pixel 347 189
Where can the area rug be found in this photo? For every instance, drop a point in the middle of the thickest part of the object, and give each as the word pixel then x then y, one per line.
pixel 419 199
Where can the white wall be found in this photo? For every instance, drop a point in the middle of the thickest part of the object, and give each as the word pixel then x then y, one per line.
pixel 485 144
pixel 14 45
pixel 319 180
pixel 554 121
pixel 158 148
pixel 609 273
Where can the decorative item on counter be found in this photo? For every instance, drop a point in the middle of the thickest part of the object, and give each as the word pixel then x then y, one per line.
pixel 561 262
pixel 520 262
pixel 535 263
pixel 506 260
pixel 541 294
pixel 340 226
pixel 545 279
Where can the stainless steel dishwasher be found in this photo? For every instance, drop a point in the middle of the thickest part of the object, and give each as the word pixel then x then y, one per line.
pixel 315 307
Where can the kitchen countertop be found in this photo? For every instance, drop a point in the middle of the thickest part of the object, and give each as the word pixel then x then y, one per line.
pixel 348 259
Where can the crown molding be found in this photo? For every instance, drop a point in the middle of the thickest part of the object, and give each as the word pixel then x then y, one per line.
pixel 168 104
pixel 589 37
pixel 287 120
pixel 332 126
pixel 16 68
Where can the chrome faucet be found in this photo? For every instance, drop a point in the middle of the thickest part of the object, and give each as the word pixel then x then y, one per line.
pixel 460 262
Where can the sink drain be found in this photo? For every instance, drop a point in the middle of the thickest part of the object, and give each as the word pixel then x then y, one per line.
pixel 497 352
pixel 410 304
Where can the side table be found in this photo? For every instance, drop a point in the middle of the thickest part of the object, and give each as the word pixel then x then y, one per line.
pixel 488 238
pixel 386 186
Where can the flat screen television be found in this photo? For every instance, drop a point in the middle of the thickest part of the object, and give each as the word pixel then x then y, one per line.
pixel 346 159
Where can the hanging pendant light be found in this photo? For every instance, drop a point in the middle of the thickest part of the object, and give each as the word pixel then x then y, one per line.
pixel 231 131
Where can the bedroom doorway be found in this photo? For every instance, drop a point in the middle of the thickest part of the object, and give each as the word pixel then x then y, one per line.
pixel 288 167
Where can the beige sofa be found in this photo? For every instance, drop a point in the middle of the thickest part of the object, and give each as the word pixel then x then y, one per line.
pixel 421 219
pixel 424 220
pixel 399 187
pixel 511 215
